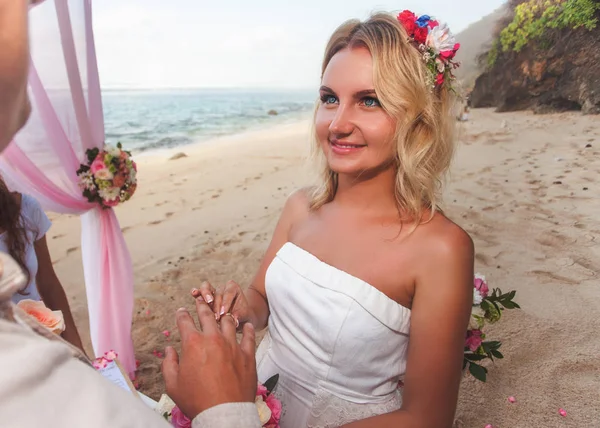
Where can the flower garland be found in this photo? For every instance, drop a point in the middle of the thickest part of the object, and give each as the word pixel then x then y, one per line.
pixel 435 42
pixel 109 177
pixel 487 309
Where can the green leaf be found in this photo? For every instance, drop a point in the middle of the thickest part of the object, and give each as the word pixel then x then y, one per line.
pixel 497 354
pixel 271 383
pixel 475 357
pixel 490 346
pixel 91 154
pixel 478 372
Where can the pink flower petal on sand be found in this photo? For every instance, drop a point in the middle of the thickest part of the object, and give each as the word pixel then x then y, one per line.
pixel 167 333
pixel 137 364
pixel 562 412
pixel 148 312
pixel 512 399
pixel 110 355
pixel 489 426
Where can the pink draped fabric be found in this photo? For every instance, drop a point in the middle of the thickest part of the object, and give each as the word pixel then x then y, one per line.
pixel 42 161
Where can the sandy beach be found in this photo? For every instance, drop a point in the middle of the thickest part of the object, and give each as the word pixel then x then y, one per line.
pixel 524 186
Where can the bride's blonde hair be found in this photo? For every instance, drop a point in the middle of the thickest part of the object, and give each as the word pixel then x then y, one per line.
pixel 425 122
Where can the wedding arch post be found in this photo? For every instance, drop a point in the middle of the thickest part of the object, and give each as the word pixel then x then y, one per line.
pixel 67 119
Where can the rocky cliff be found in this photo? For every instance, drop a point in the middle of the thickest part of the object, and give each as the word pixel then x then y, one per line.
pixel 474 40
pixel 557 71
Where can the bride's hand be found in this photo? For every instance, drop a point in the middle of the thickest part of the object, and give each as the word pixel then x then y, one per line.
pixel 229 299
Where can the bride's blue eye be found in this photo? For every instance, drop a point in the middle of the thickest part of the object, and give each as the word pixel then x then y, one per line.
pixel 328 99
pixel 371 102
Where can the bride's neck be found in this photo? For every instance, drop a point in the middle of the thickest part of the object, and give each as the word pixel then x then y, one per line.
pixel 375 192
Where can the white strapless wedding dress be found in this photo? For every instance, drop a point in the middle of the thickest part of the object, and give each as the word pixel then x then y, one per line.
pixel 338 344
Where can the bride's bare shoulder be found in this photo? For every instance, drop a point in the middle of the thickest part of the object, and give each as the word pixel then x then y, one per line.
pixel 442 236
pixel 298 202
pixel 295 210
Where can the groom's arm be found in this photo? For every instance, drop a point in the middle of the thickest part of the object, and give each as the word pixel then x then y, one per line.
pixel 230 415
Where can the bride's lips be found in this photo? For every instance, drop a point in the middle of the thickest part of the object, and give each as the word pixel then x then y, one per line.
pixel 342 147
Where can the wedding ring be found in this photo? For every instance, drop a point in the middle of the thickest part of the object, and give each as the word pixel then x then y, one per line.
pixel 237 323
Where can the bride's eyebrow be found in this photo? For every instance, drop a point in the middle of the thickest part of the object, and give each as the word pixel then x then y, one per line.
pixel 365 93
pixel 357 95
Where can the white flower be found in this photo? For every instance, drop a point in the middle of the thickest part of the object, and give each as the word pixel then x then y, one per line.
pixel 476 310
pixel 477 297
pixel 165 405
pixel 440 65
pixel 112 150
pixel 440 39
pixel 103 174
pixel 264 413
pixel 86 181
pixel 110 193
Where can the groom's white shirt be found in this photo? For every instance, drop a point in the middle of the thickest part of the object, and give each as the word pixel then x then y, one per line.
pixel 42 383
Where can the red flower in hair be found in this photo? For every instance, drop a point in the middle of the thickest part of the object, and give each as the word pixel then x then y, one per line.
pixel 408 21
pixel 432 23
pixel 439 79
pixel 420 34
pixel 447 54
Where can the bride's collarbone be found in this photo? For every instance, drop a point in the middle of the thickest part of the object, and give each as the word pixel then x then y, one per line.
pixel 370 260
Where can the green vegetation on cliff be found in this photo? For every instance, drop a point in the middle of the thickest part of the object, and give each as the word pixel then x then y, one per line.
pixel 533 20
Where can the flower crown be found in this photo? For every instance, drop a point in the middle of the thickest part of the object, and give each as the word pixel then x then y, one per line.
pixel 436 43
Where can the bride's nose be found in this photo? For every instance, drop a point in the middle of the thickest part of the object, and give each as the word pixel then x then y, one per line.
pixel 342 123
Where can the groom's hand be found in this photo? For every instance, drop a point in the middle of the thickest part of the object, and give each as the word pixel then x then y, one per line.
pixel 212 369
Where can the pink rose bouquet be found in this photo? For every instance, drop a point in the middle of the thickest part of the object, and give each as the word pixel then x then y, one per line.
pixel 109 177
pixel 487 309
pixel 269 407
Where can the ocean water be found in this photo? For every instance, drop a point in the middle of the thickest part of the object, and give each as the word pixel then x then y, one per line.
pixel 155 119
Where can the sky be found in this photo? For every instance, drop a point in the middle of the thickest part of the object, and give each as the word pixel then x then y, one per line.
pixel 236 43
